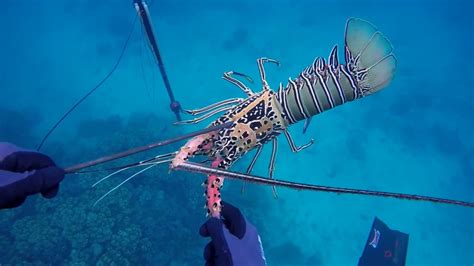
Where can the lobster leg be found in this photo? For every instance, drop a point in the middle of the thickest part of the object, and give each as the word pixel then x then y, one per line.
pixel 271 167
pixel 228 76
pixel 260 63
pixel 252 163
pixel 214 106
pixel 293 147
pixel 199 119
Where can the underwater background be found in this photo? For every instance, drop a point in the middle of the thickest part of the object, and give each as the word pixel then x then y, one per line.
pixel 415 136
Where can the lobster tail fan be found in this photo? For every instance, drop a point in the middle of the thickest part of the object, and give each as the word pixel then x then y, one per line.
pixel 380 74
pixel 368 55
pixel 357 36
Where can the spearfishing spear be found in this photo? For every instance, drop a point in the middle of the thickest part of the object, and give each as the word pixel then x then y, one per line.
pixel 144 14
pixel 202 169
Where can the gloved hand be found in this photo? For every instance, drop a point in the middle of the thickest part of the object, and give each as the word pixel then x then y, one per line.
pixel 24 173
pixel 234 241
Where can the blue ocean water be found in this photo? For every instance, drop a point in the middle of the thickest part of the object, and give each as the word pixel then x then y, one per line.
pixel 415 136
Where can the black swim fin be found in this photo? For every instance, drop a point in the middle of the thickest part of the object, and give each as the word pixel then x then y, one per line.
pixel 384 247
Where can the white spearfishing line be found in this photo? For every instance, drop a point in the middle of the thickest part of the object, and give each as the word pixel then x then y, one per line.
pixel 126 180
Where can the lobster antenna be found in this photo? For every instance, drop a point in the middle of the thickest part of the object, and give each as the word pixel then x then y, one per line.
pixel 123 182
pixel 92 90
pixel 79 167
pixel 197 168
pixel 157 159
pixel 142 10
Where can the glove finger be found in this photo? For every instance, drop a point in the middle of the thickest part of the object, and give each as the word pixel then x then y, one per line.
pixel 26 161
pixel 50 193
pixel 43 180
pixel 234 220
pixel 214 228
pixel 209 252
pixel 52 176
pixel 210 227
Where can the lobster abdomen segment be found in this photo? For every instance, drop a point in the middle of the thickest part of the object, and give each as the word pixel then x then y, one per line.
pixel 369 67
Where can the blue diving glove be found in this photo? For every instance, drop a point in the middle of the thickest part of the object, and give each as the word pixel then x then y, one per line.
pixel 24 173
pixel 234 241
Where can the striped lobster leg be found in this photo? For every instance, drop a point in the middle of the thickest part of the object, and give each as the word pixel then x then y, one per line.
pixel 213 109
pixel 228 76
pixel 293 147
pixel 261 69
pixel 214 106
pixel 271 166
pixel 203 117
pixel 252 164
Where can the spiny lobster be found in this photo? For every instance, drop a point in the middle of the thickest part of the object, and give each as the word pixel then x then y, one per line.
pixel 261 117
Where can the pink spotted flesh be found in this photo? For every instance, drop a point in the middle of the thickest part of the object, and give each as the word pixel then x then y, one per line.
pixel 213 194
pixel 213 183
pixel 191 147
